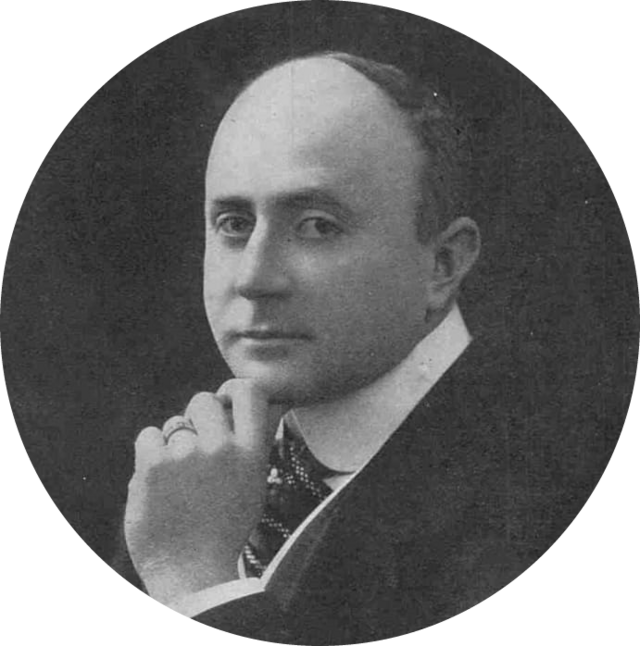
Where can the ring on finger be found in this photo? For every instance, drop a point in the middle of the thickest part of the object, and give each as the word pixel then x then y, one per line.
pixel 177 424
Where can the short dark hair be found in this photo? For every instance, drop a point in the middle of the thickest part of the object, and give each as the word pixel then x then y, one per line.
pixel 441 134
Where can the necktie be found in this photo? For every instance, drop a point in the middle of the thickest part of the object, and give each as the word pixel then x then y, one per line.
pixel 295 486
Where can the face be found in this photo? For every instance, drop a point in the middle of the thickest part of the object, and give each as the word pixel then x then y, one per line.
pixel 315 283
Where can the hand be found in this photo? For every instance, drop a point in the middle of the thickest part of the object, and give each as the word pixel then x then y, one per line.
pixel 194 500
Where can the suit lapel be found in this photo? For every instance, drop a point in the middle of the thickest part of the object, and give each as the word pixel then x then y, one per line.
pixel 408 496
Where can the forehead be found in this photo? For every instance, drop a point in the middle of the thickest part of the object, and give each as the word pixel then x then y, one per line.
pixel 306 98
pixel 313 121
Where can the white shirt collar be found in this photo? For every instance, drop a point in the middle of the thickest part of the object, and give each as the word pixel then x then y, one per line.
pixel 345 434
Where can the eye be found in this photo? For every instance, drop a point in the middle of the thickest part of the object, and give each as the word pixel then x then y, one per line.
pixel 318 227
pixel 234 225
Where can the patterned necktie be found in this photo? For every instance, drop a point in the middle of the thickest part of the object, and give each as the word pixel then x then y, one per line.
pixel 295 486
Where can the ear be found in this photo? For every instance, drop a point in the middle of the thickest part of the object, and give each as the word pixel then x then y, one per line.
pixel 456 250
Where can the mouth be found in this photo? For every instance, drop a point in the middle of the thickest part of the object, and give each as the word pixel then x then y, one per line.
pixel 271 335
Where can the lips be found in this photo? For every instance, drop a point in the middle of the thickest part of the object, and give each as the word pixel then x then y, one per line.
pixel 272 334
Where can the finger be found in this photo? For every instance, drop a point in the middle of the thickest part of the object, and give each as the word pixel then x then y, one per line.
pixel 149 447
pixel 207 413
pixel 181 444
pixel 254 420
pixel 179 435
pixel 177 424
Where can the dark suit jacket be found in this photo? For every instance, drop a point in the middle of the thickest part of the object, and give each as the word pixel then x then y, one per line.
pixel 473 487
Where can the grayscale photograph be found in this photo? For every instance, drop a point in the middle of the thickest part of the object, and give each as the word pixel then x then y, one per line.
pixel 319 323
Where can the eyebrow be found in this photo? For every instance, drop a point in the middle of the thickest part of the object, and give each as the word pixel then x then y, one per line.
pixel 302 198
pixel 232 203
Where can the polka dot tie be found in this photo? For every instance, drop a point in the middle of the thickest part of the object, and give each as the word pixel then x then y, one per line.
pixel 295 486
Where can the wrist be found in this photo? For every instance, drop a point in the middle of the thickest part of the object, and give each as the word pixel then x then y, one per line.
pixel 167 582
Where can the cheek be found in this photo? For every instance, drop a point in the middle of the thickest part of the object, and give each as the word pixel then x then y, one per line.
pixel 373 296
pixel 390 295
pixel 215 286
pixel 371 278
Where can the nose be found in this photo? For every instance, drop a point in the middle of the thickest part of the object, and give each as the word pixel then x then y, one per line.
pixel 262 270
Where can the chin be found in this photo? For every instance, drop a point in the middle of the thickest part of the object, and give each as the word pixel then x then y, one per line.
pixel 282 386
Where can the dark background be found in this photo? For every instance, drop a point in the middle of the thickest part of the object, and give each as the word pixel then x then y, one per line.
pixel 103 328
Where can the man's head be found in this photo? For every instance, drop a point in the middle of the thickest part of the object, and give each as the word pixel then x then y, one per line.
pixel 317 279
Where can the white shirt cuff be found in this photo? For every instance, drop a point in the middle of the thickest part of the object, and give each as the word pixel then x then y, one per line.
pixel 198 602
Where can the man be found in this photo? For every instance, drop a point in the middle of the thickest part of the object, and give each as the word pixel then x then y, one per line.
pixel 335 250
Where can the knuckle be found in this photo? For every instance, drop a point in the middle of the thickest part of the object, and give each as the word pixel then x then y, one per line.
pixel 187 447
pixel 231 386
pixel 149 430
pixel 239 387
pixel 202 400
pixel 216 445
pixel 146 434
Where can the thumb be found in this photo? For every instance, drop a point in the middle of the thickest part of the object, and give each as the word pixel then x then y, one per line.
pixel 255 420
